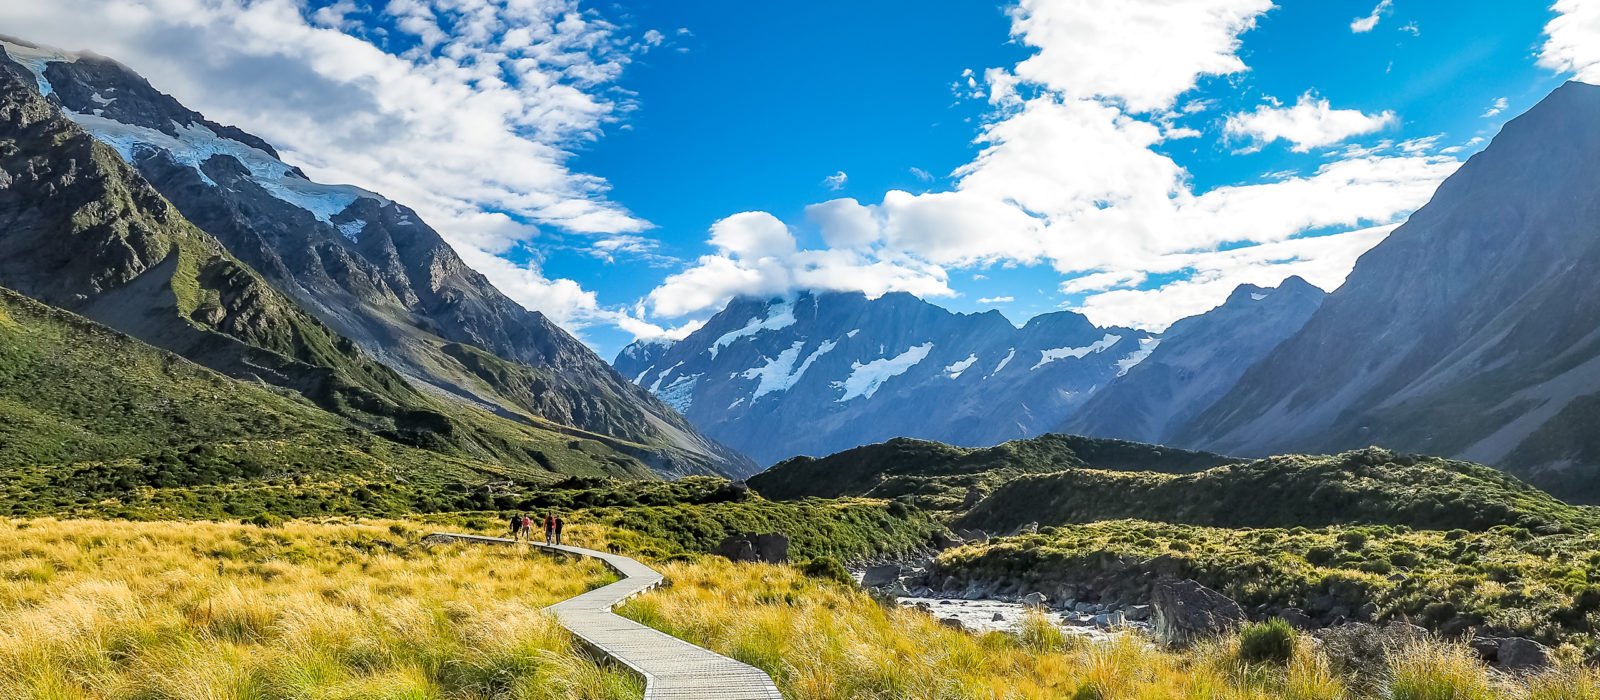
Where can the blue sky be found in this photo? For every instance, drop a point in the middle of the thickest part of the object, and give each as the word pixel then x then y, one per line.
pixel 627 166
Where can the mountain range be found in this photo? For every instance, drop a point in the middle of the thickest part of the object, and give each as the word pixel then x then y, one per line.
pixel 125 207
pixel 817 373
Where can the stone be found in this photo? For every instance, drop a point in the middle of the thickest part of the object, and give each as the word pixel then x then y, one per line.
pixel 1186 611
pixel 897 590
pixel 1109 620
pixel 1367 613
pixel 1523 654
pixel 877 576
pixel 1035 600
pixel 1138 613
pixel 737 548
pixel 950 584
pixel 1028 529
pixel 772 548
pixel 943 540
pixel 1296 618
pixel 998 618
pixel 953 623
pixel 1083 606
pixel 1488 648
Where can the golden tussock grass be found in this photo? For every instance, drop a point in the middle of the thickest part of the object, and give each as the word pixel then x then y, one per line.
pixel 214 611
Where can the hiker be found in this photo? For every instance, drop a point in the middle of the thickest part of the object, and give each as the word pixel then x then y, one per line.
pixel 559 525
pixel 516 525
pixel 549 529
pixel 527 528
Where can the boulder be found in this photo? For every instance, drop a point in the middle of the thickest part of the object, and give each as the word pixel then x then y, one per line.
pixel 772 548
pixel 953 623
pixel 1138 613
pixel 1186 611
pixel 737 548
pixel 1035 600
pixel 1522 654
pixel 1296 618
pixel 943 540
pixel 1109 620
pixel 998 618
pixel 881 575
pixel 1083 606
pixel 1028 529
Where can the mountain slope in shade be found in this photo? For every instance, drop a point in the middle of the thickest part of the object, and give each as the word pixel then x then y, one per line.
pixel 1470 331
pixel 817 373
pixel 1198 360
pixel 366 266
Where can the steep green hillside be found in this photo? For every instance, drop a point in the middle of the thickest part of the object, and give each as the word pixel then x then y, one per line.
pixel 92 421
pixel 1365 486
pixel 940 475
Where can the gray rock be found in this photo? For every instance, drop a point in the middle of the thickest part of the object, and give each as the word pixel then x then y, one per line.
pixel 1138 613
pixel 737 548
pixel 1035 600
pixel 1186 611
pixel 881 575
pixel 772 548
pixel 1296 618
pixel 1522 654
pixel 1084 607
pixel 953 623
pixel 1109 620
pixel 998 618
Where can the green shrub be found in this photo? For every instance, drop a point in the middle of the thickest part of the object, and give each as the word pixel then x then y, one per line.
pixel 828 569
pixel 1271 641
pixel 264 520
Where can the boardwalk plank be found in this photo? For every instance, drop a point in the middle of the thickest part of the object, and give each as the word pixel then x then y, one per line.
pixel 672 668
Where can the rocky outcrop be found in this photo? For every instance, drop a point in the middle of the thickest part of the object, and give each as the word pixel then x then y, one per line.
pixel 769 548
pixel 1514 653
pixel 1186 612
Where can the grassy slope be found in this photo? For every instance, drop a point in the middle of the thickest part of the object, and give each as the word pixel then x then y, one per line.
pixel 940 473
pixel 95 422
pixel 1365 486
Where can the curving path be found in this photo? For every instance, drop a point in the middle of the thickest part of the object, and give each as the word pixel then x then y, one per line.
pixel 672 668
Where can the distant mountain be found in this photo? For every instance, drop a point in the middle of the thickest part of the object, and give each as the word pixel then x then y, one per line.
pixel 816 373
pixel 367 267
pixel 1198 360
pixel 1470 331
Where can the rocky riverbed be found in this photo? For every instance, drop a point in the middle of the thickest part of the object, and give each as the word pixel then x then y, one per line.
pixel 1003 616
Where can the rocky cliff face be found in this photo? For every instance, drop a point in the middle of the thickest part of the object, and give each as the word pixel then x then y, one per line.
pixel 818 373
pixel 367 267
pixel 1469 332
pixel 1197 361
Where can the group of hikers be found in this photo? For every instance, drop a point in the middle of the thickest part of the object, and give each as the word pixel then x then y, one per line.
pixel 522 528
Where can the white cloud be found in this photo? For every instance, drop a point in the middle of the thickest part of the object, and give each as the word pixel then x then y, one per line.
pixel 1310 123
pixel 1500 105
pixel 473 126
pixel 836 181
pixel 1572 40
pixel 921 174
pixel 996 300
pixel 752 234
pixel 1127 212
pixel 1140 53
pixel 1362 25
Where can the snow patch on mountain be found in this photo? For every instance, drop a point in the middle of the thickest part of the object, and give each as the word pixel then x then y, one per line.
pixel 780 316
pixel 866 379
pixel 195 144
pixel 1146 346
pixel 352 229
pixel 1004 361
pixel 1048 356
pixel 34 59
pixel 955 369
pixel 655 387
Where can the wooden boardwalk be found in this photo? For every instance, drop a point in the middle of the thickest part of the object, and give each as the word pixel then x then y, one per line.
pixel 672 668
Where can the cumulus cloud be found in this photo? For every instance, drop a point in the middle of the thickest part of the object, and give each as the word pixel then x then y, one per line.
pixel 1311 123
pixel 1572 40
pixel 466 111
pixel 996 300
pixel 1362 25
pixel 1120 212
pixel 836 181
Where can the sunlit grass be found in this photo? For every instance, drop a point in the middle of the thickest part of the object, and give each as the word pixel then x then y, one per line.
pixel 201 610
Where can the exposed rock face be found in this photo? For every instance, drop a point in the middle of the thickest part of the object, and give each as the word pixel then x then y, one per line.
pixel 372 270
pixel 877 576
pixel 1186 612
pixel 818 373
pixel 1467 332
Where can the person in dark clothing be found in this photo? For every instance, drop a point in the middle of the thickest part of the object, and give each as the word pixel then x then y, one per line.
pixel 559 525
pixel 549 529
pixel 516 525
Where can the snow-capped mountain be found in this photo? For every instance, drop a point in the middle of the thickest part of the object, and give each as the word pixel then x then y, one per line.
pixel 1471 331
pixel 368 267
pixel 816 373
pixel 1197 360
